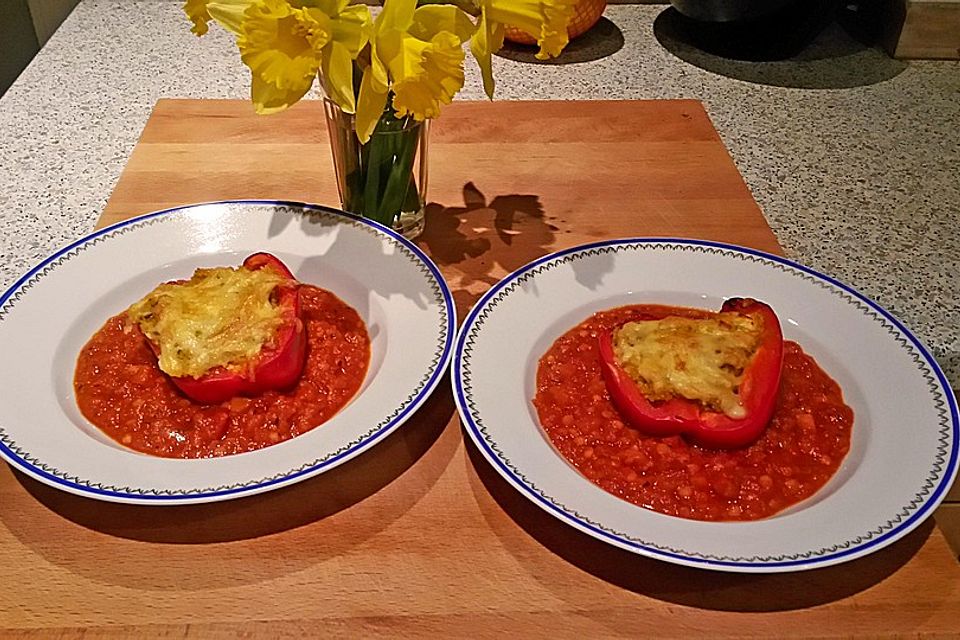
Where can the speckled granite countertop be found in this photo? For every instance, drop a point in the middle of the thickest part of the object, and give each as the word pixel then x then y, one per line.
pixel 853 157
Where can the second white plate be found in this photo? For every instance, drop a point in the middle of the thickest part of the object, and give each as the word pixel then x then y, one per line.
pixel 903 454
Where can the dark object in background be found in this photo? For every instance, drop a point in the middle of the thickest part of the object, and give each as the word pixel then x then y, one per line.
pixel 18 41
pixel 727 10
pixel 755 30
pixel 863 19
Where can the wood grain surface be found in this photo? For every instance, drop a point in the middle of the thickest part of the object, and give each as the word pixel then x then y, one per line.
pixel 419 537
pixel 925 29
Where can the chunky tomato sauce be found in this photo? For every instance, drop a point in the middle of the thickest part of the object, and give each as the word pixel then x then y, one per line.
pixel 802 447
pixel 121 390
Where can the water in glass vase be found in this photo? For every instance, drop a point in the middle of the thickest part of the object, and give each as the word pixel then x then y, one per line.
pixel 386 178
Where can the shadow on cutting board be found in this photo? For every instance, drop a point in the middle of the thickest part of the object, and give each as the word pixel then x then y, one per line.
pixel 686 585
pixel 474 244
pixel 320 520
pixel 477 244
pixel 303 503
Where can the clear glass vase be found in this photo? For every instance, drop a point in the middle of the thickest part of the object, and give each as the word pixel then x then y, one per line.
pixel 386 178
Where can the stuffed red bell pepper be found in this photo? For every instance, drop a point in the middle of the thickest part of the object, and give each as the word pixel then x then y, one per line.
pixel 227 332
pixel 714 380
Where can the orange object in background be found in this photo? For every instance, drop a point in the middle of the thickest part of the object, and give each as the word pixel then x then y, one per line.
pixel 586 14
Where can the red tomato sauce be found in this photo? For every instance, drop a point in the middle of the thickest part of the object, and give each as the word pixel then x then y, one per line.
pixel 800 450
pixel 121 390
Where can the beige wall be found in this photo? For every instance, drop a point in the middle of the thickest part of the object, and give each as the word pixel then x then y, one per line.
pixel 47 16
pixel 25 26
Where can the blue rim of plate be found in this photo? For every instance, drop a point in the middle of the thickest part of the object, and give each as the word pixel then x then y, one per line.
pixel 397 417
pixel 840 552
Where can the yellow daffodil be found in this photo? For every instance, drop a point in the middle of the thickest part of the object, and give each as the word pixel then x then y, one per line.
pixel 413 52
pixel 425 73
pixel 286 42
pixel 545 20
pixel 418 54
pixel 275 43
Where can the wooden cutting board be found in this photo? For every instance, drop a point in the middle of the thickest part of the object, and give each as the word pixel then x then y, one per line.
pixel 509 181
pixel 419 536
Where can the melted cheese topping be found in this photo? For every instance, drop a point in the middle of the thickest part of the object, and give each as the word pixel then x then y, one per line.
pixel 219 318
pixel 698 359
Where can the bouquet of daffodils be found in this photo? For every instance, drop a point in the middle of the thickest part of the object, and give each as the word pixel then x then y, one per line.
pixel 383 72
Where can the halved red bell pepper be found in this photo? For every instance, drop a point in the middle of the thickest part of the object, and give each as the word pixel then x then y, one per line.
pixel 758 391
pixel 277 366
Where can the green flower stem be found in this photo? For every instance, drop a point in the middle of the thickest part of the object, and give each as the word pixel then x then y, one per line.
pixel 412 201
pixel 353 187
pixel 398 181
pixel 379 183
pixel 373 157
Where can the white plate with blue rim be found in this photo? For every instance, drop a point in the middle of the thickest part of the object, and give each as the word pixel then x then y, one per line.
pixel 903 453
pixel 49 314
